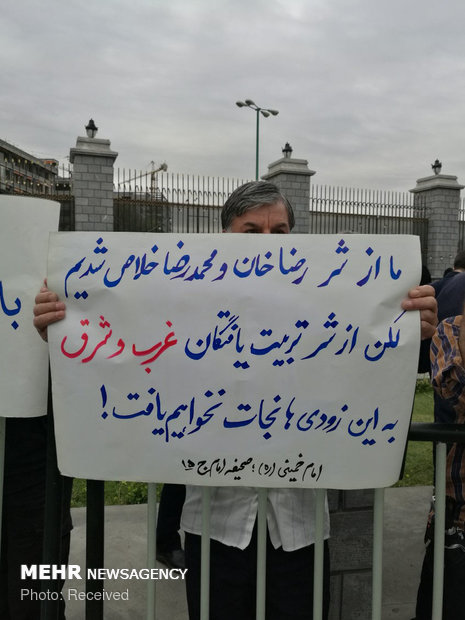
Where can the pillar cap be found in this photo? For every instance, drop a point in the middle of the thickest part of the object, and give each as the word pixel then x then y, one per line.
pixel 436 181
pixel 288 165
pixel 96 147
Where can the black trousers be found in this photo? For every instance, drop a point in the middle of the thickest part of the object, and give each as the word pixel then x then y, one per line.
pixel 23 518
pixel 169 517
pixel 454 580
pixel 289 581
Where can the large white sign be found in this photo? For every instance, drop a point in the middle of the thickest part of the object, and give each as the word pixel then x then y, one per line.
pixel 25 224
pixel 259 360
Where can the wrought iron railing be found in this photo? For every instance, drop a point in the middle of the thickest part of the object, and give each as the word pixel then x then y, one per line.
pixel 365 211
pixel 166 202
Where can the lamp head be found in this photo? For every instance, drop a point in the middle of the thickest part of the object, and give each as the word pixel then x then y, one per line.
pixel 91 129
pixel 287 150
pixel 436 166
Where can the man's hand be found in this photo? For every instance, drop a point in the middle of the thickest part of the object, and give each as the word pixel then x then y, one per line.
pixel 47 310
pixel 422 298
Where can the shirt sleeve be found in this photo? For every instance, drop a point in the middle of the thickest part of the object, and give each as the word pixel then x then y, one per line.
pixel 447 371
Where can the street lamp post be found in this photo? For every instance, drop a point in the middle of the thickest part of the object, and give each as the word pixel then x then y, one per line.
pixel 248 103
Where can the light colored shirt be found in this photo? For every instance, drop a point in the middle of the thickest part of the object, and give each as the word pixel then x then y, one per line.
pixel 290 516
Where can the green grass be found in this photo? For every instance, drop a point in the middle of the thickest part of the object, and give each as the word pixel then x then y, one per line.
pixel 120 493
pixel 418 464
pixel 419 461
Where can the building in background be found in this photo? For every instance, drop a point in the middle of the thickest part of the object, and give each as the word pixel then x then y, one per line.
pixel 23 173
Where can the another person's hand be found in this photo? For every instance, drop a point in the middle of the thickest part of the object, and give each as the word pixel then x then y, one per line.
pixel 47 310
pixel 422 298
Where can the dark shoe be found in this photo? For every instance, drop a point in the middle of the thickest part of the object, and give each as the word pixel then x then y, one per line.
pixel 172 559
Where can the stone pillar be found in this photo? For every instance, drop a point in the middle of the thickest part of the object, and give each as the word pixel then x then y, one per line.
pixel 92 183
pixel 440 194
pixel 292 176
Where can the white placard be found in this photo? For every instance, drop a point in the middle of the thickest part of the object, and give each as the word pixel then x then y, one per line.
pixel 25 224
pixel 228 359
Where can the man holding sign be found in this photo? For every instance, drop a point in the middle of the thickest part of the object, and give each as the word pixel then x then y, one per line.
pixel 255 208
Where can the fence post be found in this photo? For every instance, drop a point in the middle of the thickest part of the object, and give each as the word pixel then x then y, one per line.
pixel 292 176
pixel 92 184
pixel 440 193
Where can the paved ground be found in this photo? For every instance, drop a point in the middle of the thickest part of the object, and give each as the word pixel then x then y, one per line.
pixel 405 515
pixel 125 540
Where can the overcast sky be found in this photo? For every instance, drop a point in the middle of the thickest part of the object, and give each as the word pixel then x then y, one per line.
pixel 370 92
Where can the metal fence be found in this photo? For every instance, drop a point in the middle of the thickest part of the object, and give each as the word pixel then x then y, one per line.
pixel 166 202
pixel 161 202
pixel 184 203
pixel 439 434
pixel 158 201
pixel 365 211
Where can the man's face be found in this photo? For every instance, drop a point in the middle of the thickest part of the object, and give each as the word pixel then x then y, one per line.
pixel 267 219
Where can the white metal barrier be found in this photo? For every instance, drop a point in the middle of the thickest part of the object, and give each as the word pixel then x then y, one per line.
pixel 378 520
pixel 378 525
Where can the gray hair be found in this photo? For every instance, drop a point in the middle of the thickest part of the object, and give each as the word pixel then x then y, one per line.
pixel 250 196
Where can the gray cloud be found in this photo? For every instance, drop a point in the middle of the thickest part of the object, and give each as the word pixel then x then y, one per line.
pixel 369 92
